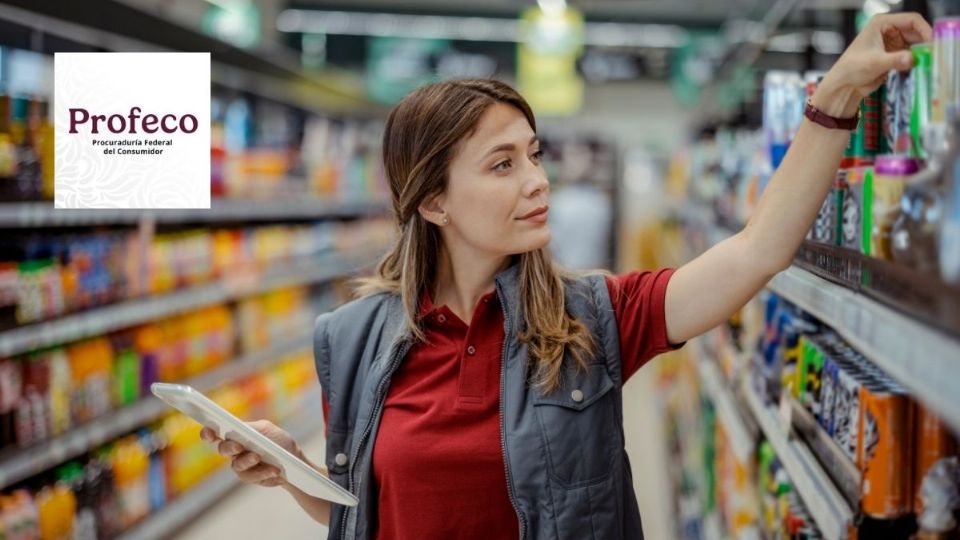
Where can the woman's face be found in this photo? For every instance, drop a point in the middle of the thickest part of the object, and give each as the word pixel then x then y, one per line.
pixel 496 196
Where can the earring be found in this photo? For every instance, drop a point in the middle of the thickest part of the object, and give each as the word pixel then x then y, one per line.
pixel 446 220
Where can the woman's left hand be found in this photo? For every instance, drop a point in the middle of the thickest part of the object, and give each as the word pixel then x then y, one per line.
pixel 882 45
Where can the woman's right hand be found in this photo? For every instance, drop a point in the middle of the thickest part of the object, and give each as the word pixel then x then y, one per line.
pixel 247 464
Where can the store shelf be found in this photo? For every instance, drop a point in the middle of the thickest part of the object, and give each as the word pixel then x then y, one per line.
pixel 43 214
pixel 743 440
pixel 179 512
pixel 921 358
pixel 24 463
pixel 826 504
pixel 113 317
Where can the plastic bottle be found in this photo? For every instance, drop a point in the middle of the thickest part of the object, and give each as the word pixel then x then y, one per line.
pixel 195 327
pixel 44 144
pixel 10 394
pixel 148 343
pixel 130 466
pixel 155 446
pixel 949 245
pixel 27 177
pixel 8 154
pixel 85 522
pixel 100 378
pixel 60 379
pixel 126 369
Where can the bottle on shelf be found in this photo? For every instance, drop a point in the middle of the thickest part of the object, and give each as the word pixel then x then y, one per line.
pixel 949 239
pixel 8 154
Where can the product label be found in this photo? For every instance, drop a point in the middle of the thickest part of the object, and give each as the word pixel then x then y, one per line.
pixel 132 130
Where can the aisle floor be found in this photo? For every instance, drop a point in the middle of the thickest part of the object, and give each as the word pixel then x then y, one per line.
pixel 251 512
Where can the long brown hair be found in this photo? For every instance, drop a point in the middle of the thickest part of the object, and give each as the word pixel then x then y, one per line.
pixel 421 138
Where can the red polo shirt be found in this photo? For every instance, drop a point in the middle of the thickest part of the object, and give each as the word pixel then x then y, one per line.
pixel 437 461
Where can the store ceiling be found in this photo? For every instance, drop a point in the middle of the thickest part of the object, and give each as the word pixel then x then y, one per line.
pixel 692 12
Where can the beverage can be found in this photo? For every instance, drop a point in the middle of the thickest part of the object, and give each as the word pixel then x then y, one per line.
pixel 897 101
pixel 887 463
pixel 855 210
pixel 864 142
pixel 811 370
pixel 919 105
pixel 934 442
pixel 828 390
pixel 846 409
pixel 826 227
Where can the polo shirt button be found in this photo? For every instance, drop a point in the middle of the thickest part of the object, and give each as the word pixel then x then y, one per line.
pixel 442 318
pixel 577 395
pixel 471 350
pixel 340 459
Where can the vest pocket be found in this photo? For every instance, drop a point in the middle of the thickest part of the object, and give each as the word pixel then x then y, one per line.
pixel 579 427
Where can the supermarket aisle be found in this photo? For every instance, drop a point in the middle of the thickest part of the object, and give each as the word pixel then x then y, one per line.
pixel 253 512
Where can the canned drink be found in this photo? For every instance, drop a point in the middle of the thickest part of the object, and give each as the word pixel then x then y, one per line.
pixel 850 163
pixel 811 372
pixel 934 442
pixel 890 174
pixel 864 143
pixel 826 227
pixel 897 91
pixel 792 353
pixel 855 210
pixel 919 108
pixel 886 462
pixel 828 385
pixel 946 68
pixel 846 409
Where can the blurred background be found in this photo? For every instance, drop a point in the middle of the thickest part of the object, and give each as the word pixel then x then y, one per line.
pixel 827 408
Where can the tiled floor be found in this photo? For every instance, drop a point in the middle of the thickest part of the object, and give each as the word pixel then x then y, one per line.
pixel 256 513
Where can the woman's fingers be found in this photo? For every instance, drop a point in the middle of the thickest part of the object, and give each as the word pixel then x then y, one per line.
pixel 248 465
pixel 209 435
pixel 245 461
pixel 911 26
pixel 262 474
pixel 230 448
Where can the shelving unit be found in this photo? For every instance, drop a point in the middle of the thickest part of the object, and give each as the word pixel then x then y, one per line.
pixel 921 358
pixel 43 214
pixel 181 510
pixel 826 504
pixel 742 437
pixel 26 462
pixel 113 317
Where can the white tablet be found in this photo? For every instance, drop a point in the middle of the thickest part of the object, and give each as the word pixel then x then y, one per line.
pixel 192 403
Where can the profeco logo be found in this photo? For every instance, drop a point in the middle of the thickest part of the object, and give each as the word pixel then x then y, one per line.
pixel 117 123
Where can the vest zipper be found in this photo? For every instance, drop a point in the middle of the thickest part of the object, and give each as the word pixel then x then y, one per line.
pixel 503 428
pixel 380 397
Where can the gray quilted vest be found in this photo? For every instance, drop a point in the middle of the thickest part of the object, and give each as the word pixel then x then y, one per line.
pixel 567 471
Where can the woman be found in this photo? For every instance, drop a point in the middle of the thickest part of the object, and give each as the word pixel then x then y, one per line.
pixel 511 426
